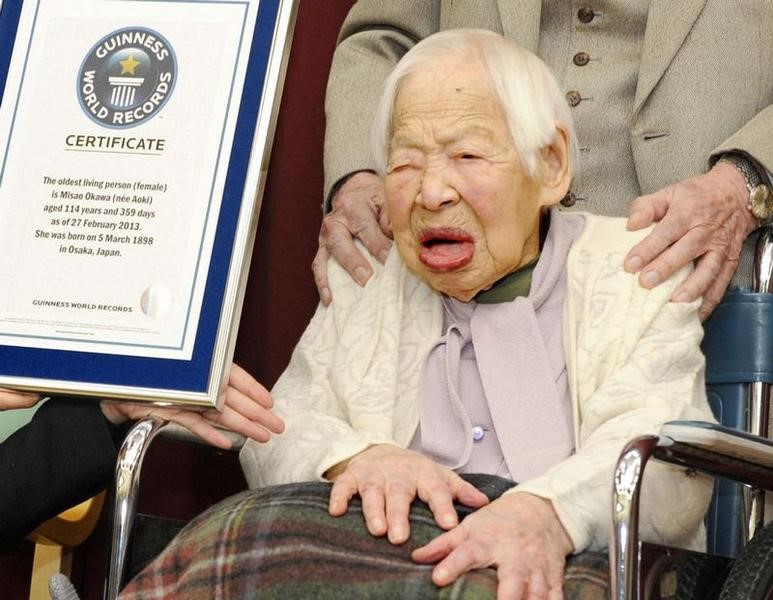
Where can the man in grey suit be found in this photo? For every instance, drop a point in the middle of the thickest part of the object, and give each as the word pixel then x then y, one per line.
pixel 672 102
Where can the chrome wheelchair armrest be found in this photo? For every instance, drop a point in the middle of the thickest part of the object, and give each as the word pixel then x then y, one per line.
pixel 127 475
pixel 127 480
pixel 721 453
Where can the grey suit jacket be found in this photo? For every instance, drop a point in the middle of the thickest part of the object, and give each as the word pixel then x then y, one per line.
pixel 705 83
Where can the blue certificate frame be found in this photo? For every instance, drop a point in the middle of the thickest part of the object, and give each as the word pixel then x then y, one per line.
pixel 198 380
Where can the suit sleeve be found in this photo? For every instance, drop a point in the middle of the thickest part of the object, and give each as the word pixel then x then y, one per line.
pixel 374 36
pixel 753 81
pixel 755 139
pixel 65 455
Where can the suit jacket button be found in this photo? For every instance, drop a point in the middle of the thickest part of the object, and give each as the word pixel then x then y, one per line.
pixel 573 98
pixel 569 200
pixel 581 59
pixel 585 14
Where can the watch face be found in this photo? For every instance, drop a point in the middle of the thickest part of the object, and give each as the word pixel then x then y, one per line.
pixel 761 201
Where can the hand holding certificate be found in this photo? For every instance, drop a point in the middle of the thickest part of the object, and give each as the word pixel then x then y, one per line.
pixel 245 411
pixel 133 135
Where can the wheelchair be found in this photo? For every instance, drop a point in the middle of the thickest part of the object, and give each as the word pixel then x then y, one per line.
pixel 739 372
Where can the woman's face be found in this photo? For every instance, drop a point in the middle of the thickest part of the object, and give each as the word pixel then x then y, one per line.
pixel 464 211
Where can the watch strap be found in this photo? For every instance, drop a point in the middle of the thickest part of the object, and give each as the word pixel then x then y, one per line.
pixel 760 200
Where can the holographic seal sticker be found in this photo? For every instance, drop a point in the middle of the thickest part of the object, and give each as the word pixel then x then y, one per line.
pixel 127 77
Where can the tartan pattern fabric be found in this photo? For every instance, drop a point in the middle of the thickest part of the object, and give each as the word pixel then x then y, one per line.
pixel 280 542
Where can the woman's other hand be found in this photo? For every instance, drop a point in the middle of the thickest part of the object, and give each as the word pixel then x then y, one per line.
pixel 10 399
pixel 519 534
pixel 246 410
pixel 388 478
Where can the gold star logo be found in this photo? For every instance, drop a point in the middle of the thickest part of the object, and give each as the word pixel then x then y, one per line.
pixel 129 65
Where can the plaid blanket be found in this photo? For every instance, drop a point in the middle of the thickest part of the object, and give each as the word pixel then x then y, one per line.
pixel 280 542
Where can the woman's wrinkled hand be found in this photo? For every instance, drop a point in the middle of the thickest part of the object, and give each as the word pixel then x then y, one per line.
pixel 519 534
pixel 357 214
pixel 11 400
pixel 388 478
pixel 246 410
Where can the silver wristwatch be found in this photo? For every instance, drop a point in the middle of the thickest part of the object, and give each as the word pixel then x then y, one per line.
pixel 760 201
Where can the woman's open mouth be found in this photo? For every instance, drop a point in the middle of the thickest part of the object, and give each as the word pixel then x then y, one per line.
pixel 445 249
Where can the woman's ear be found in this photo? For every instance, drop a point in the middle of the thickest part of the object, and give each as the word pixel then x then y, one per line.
pixel 554 168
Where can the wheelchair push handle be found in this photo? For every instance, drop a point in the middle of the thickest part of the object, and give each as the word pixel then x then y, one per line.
pixel 762 280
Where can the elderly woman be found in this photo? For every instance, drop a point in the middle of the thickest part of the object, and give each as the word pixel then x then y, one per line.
pixel 501 337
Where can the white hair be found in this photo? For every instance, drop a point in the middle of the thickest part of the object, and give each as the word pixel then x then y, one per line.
pixel 529 95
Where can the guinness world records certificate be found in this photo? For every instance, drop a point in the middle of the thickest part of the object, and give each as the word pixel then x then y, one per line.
pixel 134 137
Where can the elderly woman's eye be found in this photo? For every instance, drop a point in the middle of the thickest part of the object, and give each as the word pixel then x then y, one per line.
pixel 396 167
pixel 468 156
pixel 402 164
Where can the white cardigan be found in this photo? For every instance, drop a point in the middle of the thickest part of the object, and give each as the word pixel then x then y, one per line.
pixel 633 362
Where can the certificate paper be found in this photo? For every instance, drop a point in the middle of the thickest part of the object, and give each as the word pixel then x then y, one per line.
pixel 109 195
pixel 120 125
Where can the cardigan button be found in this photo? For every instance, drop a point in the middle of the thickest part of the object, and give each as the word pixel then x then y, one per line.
pixel 478 433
